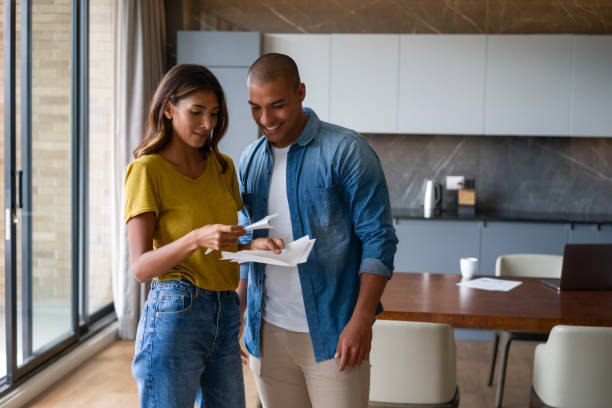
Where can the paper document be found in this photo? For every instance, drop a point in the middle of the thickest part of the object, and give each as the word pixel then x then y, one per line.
pixel 490 284
pixel 294 253
pixel 264 223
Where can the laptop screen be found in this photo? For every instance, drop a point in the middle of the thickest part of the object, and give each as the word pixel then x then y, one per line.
pixel 587 267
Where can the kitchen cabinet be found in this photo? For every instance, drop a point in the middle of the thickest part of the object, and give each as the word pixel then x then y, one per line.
pixel 311 53
pixel 228 55
pixel 582 233
pixel 428 245
pixel 528 85
pixel 364 82
pixel 435 246
pixel 603 235
pixel 549 85
pixel 592 86
pixel 500 238
pixel 441 84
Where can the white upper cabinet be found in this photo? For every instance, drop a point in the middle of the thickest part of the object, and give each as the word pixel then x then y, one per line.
pixel 311 53
pixel 364 81
pixel 592 86
pixel 548 85
pixel 441 83
pixel 528 82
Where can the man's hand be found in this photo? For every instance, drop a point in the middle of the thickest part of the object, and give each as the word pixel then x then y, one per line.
pixel 355 340
pixel 268 244
pixel 354 343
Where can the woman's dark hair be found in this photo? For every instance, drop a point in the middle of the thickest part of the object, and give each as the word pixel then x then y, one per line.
pixel 178 83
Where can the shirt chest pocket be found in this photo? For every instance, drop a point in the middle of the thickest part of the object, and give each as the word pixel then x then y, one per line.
pixel 325 207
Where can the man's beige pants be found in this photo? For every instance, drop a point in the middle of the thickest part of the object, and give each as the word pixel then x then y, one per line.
pixel 287 375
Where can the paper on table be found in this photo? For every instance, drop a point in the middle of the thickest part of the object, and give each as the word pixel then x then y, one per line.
pixel 264 223
pixel 490 284
pixel 294 253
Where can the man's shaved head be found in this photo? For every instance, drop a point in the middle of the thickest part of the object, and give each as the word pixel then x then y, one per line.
pixel 269 67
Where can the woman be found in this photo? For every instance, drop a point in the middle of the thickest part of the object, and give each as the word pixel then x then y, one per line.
pixel 182 197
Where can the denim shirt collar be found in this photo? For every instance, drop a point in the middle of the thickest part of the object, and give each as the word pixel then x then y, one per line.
pixel 310 130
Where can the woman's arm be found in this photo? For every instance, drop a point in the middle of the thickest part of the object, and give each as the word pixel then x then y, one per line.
pixel 147 263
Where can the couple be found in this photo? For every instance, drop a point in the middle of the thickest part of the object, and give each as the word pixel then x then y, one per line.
pixel 309 328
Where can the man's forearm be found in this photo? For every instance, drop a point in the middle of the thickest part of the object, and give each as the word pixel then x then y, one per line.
pixel 372 287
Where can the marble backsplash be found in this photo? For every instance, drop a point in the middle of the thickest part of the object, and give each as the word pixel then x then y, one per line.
pixel 544 174
pixel 400 16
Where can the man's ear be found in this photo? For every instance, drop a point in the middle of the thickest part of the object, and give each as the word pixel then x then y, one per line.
pixel 301 91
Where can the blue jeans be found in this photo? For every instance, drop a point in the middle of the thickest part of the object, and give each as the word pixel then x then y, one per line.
pixel 187 348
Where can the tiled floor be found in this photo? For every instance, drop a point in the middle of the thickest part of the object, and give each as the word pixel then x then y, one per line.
pixel 105 381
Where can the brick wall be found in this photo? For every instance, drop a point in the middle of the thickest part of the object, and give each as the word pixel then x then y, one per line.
pixel 52 149
pixel 100 126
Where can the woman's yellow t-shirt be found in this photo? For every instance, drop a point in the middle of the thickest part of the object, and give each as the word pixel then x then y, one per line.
pixel 182 204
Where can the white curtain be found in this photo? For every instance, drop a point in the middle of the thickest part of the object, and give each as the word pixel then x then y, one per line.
pixel 140 60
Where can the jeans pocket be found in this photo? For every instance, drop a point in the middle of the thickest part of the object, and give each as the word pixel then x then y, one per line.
pixel 173 305
pixel 142 327
pixel 236 299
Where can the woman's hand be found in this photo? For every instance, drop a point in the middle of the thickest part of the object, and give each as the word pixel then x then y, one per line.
pixel 217 236
pixel 267 244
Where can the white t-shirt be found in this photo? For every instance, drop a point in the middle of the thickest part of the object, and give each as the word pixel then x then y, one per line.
pixel 283 304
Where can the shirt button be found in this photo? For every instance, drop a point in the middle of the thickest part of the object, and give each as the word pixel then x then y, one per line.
pixel 267 171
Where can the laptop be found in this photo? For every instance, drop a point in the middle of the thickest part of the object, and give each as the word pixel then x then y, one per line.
pixel 585 267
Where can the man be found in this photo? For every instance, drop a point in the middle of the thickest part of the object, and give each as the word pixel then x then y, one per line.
pixel 309 328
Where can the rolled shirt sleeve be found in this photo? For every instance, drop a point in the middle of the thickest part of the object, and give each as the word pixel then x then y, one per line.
pixel 367 196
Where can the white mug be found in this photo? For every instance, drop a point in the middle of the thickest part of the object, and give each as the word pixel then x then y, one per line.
pixel 468 266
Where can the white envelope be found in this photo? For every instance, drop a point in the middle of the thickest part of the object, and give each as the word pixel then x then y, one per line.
pixel 294 253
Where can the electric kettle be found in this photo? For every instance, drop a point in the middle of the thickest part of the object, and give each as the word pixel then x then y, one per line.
pixel 432 199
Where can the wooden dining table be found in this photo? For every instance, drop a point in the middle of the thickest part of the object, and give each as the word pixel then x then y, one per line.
pixel 532 306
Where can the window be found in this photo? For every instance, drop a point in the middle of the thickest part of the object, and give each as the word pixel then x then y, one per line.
pixel 55 280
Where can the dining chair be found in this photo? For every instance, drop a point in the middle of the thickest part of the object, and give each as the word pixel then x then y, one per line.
pixel 573 368
pixel 524 266
pixel 413 365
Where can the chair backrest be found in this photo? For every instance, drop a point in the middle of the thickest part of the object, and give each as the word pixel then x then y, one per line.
pixel 574 368
pixel 412 362
pixel 529 265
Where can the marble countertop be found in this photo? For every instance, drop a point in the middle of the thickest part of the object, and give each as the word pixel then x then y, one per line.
pixel 516 216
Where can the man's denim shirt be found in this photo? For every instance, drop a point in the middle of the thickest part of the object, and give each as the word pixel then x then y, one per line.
pixel 337 194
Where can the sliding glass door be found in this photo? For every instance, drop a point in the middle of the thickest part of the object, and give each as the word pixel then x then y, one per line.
pixel 55 281
pixel 45 216
pixel 38 162
pixel 3 331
